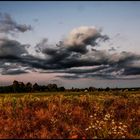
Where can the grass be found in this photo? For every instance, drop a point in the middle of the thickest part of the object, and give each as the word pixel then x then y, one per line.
pixel 70 115
pixel 115 93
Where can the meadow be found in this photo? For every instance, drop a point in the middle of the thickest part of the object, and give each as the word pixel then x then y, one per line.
pixel 70 115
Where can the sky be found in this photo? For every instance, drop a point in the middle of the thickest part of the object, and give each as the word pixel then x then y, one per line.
pixel 72 44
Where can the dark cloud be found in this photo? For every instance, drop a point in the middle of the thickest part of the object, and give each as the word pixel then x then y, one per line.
pixel 11 48
pixel 79 38
pixel 86 69
pixel 75 76
pixel 8 25
pixel 69 55
pixel 41 45
pixel 74 57
pixel 12 55
pixel 101 63
pixel 13 72
pixel 126 59
pixel 132 71
pixel 77 65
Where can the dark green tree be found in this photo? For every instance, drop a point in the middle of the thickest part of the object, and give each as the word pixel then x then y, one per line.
pixel 52 87
pixel 22 87
pixel 29 87
pixel 61 89
pixel 36 87
pixel 15 86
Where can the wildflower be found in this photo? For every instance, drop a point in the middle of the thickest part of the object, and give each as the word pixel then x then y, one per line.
pixel 96 128
pixel 95 137
pixel 89 127
pixel 121 132
pixel 91 116
pixel 107 116
pixel 97 121
pixel 113 122
pixel 86 129
pixel 114 130
pixel 123 137
pixel 100 128
pixel 120 123
pixel 119 127
pixel 124 126
pixel 93 126
pixel 105 119
pixel 122 129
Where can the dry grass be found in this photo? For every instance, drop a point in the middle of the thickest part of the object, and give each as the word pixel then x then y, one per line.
pixel 71 117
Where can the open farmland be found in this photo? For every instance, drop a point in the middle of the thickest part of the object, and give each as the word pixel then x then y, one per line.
pixel 70 115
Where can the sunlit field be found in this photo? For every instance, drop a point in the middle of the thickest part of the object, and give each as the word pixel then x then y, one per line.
pixel 84 115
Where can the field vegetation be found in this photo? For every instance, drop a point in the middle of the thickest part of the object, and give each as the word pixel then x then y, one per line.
pixel 70 115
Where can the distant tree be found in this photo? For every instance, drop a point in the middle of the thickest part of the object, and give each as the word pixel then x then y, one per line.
pixel 100 89
pixel 15 86
pixel 52 87
pixel 28 87
pixel 22 87
pixel 107 89
pixel 72 89
pixel 91 89
pixel 9 89
pixel 43 88
pixel 78 90
pixel 61 89
pixel 36 87
pixel 6 89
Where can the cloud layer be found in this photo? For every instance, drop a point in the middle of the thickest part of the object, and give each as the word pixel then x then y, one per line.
pixel 8 25
pixel 74 57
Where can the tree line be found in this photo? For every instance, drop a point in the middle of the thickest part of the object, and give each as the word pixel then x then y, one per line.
pixel 20 87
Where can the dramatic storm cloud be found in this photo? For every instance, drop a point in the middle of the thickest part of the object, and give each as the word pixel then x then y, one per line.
pixel 11 48
pixel 8 25
pixel 80 37
pixel 73 54
pixel 12 52
pixel 76 56
pixel 13 72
